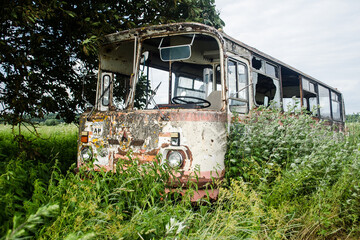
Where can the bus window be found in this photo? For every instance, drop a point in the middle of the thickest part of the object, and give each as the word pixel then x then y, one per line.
pixel 291 104
pixel 184 83
pixel 291 90
pixel 266 89
pixel 106 78
pixel 257 64
pixel 266 83
pixel 238 87
pixel 190 87
pixel 309 96
pixel 271 70
pixel 335 104
pixel 324 99
pixel 158 80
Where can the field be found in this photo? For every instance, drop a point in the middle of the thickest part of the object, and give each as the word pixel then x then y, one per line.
pixel 288 177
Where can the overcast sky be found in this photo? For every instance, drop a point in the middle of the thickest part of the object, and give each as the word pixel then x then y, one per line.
pixel 318 37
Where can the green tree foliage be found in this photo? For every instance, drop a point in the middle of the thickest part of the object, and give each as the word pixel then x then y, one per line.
pixel 355 117
pixel 48 48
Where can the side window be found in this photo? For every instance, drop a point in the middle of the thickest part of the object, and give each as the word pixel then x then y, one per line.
pixel 266 82
pixel 104 97
pixel 335 104
pixel 238 87
pixel 324 101
pixel 105 89
pixel 190 87
pixel 212 81
pixel 309 95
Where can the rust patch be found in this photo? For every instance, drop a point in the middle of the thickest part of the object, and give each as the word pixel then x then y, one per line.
pixel 188 152
pixel 197 116
pixel 164 134
pixel 164 145
pixel 113 141
pixel 137 142
pixel 153 152
pixel 121 152
pixel 183 180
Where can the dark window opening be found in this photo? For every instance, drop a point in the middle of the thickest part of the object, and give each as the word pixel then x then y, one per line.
pixel 266 89
pixel 291 90
pixel 256 63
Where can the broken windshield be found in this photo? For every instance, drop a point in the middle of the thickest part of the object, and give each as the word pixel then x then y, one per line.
pixel 178 71
pixel 185 81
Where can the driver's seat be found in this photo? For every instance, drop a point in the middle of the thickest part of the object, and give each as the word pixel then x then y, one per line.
pixel 215 99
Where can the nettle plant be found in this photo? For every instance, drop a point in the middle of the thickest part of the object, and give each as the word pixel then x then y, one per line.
pixel 271 141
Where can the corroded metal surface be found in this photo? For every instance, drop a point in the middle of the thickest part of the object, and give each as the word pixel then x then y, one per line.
pixel 146 136
pixel 160 30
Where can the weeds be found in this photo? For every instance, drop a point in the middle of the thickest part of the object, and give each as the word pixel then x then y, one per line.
pixel 300 168
pixel 288 177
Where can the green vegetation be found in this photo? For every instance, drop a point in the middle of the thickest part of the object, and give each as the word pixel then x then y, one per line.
pixel 355 117
pixel 288 178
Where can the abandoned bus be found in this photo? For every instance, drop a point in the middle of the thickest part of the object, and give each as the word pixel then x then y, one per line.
pixel 171 90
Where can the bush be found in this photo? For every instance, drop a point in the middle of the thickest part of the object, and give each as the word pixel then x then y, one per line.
pixel 51 122
pixel 301 165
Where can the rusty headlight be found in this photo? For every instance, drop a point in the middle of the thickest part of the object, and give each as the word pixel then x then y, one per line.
pixel 175 159
pixel 86 154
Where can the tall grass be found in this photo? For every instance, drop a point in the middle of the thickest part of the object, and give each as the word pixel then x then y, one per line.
pixel 288 177
pixel 25 175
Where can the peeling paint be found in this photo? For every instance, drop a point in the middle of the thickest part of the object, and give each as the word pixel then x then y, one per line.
pixel 146 135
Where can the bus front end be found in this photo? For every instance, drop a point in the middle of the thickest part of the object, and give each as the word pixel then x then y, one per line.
pixel 160 97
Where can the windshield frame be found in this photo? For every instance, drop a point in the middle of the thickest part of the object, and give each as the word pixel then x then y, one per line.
pixel 138 40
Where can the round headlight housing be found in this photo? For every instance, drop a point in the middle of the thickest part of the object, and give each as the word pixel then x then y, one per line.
pixel 86 154
pixel 175 159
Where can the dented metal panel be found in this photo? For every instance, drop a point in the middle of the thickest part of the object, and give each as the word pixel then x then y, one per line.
pixel 145 134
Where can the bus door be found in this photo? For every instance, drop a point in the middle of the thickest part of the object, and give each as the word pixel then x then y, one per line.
pixel 238 85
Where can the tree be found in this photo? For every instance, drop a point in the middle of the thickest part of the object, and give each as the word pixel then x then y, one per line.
pixel 48 48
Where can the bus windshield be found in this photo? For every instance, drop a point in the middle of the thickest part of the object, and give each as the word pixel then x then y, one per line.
pixel 184 80
pixel 178 71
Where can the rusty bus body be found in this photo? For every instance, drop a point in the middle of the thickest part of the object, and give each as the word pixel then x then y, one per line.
pixel 194 78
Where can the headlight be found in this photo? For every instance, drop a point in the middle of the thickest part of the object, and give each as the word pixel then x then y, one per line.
pixel 175 159
pixel 86 154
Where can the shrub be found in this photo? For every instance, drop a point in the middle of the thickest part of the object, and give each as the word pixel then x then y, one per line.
pixel 300 165
pixel 51 122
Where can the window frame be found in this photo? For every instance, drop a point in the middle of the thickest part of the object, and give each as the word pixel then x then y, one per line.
pixel 338 101
pixel 262 71
pixel 245 100
pixel 329 98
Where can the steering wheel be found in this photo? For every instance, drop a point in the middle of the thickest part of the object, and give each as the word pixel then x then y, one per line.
pixel 203 103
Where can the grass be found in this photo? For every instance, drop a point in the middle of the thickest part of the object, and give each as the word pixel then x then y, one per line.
pixel 285 180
